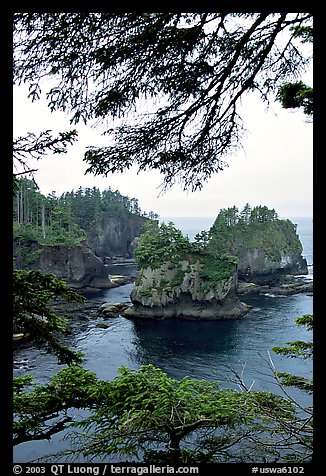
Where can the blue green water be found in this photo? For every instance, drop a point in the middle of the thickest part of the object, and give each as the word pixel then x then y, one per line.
pixel 208 350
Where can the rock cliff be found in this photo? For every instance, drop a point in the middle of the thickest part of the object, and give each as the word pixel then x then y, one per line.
pixel 115 236
pixel 179 290
pixel 257 266
pixel 83 266
pixel 77 264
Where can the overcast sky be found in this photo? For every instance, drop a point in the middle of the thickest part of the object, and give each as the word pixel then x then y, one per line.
pixel 273 169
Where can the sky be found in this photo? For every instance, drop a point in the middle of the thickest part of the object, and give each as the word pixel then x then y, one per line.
pixel 274 167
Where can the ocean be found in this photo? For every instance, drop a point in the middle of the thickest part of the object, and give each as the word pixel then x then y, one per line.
pixel 204 350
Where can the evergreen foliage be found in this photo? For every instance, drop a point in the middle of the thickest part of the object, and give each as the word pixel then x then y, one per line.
pixel 248 216
pixel 202 64
pixel 159 244
pixel 301 427
pixel 36 406
pixel 300 349
pixel 215 268
pixel 46 220
pixel 63 220
pixel 235 231
pixel 35 146
pixel 146 415
pixel 165 244
pixel 90 205
pixel 33 294
pixel 295 95
pixel 275 438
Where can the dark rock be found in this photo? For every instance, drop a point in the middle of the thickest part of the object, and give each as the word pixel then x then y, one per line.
pixel 285 286
pixel 110 309
pixel 83 266
pixel 115 236
pixel 189 310
pixel 256 266
pixel 101 325
pixel 77 264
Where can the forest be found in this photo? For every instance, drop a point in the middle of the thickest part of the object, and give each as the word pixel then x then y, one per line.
pixel 247 216
pixel 65 219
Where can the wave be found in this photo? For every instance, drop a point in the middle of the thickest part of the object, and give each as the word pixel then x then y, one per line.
pixel 274 295
pixel 306 277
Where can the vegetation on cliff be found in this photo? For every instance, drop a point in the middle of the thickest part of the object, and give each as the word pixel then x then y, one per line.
pixel 235 231
pixel 63 220
pixel 45 220
pixel 159 244
pixel 252 242
pixel 163 247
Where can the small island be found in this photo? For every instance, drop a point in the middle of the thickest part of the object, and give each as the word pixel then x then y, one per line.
pixel 267 248
pixel 248 249
pixel 180 279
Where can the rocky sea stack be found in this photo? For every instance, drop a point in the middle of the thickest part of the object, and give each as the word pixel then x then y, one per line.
pixel 180 291
pixel 179 279
pixel 266 247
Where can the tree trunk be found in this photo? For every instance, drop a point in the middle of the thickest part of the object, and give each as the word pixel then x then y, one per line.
pixel 174 448
pixel 43 220
pixel 21 205
pixel 25 213
pixel 18 209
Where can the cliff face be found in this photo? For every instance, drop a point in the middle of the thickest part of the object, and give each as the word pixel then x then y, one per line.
pixel 83 266
pixel 257 266
pixel 115 236
pixel 78 265
pixel 181 291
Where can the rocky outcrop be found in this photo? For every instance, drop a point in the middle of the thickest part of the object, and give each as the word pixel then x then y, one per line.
pixel 255 265
pixel 112 309
pixel 287 285
pixel 179 291
pixel 83 266
pixel 265 251
pixel 115 236
pixel 77 264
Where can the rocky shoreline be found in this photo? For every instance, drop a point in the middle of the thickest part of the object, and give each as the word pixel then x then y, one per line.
pixel 286 285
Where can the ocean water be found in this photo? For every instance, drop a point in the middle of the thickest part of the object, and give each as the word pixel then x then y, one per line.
pixel 209 350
